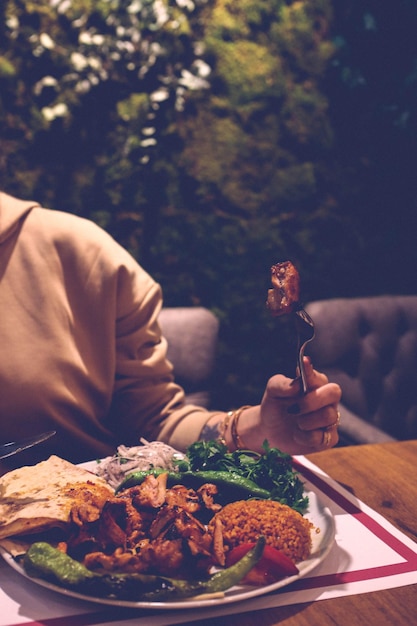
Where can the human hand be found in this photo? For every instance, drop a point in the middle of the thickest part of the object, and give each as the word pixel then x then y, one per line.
pixel 290 421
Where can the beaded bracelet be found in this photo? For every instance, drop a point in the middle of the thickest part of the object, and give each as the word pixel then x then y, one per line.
pixel 237 440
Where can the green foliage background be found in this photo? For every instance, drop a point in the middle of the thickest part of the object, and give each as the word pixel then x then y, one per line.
pixel 214 138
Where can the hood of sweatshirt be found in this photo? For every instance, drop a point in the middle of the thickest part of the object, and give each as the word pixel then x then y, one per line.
pixel 12 211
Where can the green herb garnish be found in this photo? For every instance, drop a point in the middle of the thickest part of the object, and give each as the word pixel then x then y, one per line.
pixel 272 470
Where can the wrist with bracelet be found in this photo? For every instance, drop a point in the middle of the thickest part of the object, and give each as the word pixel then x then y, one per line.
pixel 232 418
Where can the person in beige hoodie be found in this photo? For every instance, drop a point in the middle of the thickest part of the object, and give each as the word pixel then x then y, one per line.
pixel 81 352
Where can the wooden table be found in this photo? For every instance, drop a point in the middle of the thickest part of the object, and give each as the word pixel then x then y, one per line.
pixel 383 476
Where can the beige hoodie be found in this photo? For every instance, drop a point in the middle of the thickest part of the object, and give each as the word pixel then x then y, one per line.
pixel 80 348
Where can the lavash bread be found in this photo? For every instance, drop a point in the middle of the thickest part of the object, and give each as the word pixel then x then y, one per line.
pixel 36 498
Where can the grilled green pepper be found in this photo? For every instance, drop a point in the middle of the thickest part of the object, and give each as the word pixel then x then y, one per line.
pixel 44 561
pixel 233 486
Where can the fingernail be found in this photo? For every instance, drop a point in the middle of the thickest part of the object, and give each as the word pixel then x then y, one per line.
pixel 293 409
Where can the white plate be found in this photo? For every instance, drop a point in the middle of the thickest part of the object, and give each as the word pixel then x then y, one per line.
pixel 319 515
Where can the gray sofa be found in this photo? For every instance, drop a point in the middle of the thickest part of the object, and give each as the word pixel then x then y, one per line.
pixel 192 335
pixel 369 346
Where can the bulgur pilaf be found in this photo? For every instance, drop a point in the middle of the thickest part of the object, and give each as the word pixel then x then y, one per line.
pixel 283 527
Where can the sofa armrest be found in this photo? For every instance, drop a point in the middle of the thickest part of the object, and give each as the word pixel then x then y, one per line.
pixel 355 430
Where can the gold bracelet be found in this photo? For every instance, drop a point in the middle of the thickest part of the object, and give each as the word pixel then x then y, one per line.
pixel 224 425
pixel 237 440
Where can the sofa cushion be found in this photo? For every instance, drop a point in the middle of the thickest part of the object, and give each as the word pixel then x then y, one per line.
pixel 369 347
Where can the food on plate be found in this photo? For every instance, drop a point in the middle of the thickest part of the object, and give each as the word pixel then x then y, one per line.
pixel 272 471
pixel 137 458
pixel 244 521
pixel 148 529
pixel 239 475
pixel 162 532
pixel 285 293
pixel 231 486
pixel 272 566
pixel 45 561
pixel 36 498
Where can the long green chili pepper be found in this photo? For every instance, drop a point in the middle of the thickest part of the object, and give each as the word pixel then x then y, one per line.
pixel 136 478
pixel 226 578
pixel 45 561
pixel 232 484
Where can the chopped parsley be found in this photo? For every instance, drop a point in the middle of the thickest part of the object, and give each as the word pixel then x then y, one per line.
pixel 272 470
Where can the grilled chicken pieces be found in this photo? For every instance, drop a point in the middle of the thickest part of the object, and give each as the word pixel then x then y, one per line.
pixel 149 529
pixel 285 292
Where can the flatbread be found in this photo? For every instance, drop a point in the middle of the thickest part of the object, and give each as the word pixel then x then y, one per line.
pixel 36 498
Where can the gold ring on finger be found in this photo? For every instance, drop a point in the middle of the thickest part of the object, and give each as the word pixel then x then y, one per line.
pixel 335 424
pixel 326 438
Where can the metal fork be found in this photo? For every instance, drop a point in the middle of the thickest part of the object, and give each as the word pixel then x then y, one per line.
pixel 305 333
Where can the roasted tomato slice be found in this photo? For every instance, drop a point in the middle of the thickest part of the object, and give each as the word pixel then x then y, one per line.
pixel 272 566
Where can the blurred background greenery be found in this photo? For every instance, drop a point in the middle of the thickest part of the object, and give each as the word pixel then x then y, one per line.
pixel 213 138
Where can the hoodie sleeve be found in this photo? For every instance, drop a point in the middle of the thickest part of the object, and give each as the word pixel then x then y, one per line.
pixel 147 402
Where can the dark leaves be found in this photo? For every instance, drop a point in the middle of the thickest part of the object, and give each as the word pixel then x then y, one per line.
pixel 271 470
